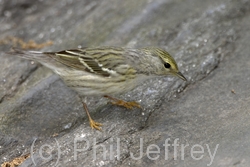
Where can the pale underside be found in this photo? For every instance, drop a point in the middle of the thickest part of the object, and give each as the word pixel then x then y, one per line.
pixel 87 84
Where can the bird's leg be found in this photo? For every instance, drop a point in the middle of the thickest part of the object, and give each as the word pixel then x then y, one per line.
pixel 128 105
pixel 92 123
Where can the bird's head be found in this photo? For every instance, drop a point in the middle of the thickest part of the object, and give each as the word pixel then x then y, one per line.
pixel 164 63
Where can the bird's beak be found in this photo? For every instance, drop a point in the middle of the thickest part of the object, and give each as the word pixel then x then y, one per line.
pixel 180 75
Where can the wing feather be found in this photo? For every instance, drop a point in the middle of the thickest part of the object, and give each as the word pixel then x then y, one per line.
pixel 79 59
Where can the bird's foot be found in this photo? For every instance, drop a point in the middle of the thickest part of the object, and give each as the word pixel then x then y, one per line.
pixel 126 104
pixel 95 125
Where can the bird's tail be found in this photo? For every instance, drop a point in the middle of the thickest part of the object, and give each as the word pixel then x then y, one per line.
pixel 31 55
pixel 45 58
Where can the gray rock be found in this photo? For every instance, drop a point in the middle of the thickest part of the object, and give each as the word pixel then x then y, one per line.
pixel 209 40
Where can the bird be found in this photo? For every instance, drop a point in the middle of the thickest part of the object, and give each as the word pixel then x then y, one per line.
pixel 106 71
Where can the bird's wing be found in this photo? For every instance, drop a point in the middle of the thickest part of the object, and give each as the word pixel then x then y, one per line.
pixel 87 60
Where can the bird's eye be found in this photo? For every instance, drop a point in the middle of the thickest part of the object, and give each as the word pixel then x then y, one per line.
pixel 167 65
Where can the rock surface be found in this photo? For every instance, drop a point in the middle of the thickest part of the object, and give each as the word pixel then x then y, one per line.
pixel 206 117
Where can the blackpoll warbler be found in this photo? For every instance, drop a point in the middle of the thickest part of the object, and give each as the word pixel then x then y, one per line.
pixel 105 71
